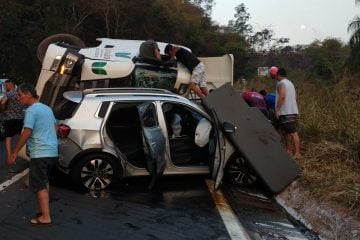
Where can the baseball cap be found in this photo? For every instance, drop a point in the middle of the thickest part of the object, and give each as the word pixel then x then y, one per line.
pixel 273 70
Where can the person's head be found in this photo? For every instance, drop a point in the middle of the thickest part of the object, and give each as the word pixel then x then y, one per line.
pixel 263 92
pixel 10 84
pixel 27 94
pixel 168 49
pixel 273 72
pixel 281 73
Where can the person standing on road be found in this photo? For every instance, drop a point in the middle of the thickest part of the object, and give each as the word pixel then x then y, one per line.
pixel 13 113
pixel 286 110
pixel 39 134
pixel 194 65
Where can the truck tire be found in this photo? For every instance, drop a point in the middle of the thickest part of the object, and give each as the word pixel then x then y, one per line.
pixel 62 37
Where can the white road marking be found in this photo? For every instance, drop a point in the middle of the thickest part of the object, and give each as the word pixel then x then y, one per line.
pixel 232 224
pixel 14 179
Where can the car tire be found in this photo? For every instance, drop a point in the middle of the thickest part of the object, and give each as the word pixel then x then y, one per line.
pixel 238 172
pixel 62 37
pixel 95 171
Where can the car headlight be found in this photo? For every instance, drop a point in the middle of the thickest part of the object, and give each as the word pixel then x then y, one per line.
pixel 68 64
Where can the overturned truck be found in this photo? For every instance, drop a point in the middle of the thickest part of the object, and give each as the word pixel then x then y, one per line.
pixel 67 64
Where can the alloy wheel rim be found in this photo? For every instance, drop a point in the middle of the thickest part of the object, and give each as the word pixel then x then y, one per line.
pixel 96 174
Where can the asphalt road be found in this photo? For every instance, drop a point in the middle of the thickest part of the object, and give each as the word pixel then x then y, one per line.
pixel 178 208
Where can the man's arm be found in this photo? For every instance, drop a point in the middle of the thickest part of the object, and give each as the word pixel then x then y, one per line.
pixel 281 99
pixel 173 52
pixel 25 134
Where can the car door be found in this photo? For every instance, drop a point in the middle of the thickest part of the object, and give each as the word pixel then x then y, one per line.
pixel 252 135
pixel 154 141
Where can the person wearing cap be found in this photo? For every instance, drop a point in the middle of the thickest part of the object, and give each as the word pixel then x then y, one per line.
pixel 194 65
pixel 286 110
pixel 150 50
pixel 13 114
pixel 273 72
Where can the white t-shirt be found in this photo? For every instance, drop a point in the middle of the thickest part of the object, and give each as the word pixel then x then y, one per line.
pixel 289 106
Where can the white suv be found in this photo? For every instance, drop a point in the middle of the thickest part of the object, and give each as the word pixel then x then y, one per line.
pixel 107 134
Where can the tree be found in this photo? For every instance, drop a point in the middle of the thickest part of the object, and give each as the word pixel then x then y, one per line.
pixel 328 59
pixel 206 5
pixel 240 25
pixel 354 27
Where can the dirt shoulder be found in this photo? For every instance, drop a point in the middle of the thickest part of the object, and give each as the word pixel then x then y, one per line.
pixel 325 197
pixel 326 218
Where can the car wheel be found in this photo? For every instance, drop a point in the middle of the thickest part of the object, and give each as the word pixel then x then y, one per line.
pixel 95 172
pixel 238 172
pixel 62 37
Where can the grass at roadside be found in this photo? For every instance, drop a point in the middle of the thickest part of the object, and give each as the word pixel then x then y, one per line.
pixel 329 127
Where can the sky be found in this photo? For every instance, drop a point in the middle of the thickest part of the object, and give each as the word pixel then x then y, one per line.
pixel 302 21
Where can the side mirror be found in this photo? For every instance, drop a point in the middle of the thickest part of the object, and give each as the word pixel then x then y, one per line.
pixel 229 127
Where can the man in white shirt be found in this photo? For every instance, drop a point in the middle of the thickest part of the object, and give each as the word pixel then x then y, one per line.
pixel 286 110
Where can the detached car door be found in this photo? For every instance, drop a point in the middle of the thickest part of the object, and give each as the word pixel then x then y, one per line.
pixel 254 137
pixel 154 141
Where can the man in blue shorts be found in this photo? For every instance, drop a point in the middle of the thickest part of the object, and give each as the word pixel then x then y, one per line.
pixel 39 134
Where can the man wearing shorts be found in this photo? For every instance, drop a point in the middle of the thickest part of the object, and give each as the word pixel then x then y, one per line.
pixel 39 134
pixel 13 113
pixel 286 110
pixel 194 65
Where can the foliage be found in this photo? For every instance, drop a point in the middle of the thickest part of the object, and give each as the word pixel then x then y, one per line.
pixel 354 59
pixel 240 25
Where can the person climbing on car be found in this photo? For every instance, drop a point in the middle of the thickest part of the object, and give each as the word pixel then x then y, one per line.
pixel 194 65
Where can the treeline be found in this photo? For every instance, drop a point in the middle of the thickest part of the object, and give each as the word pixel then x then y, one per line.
pixel 25 23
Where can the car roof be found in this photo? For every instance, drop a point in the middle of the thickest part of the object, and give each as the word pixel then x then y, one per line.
pixel 127 93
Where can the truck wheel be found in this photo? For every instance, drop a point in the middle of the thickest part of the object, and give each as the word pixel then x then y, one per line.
pixel 95 171
pixel 62 37
pixel 238 172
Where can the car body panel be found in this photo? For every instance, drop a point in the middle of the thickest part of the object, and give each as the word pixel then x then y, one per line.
pixel 254 137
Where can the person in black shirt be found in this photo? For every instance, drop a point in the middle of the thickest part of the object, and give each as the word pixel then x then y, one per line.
pixel 194 65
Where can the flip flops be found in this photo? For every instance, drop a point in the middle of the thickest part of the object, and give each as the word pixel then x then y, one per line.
pixel 37 222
